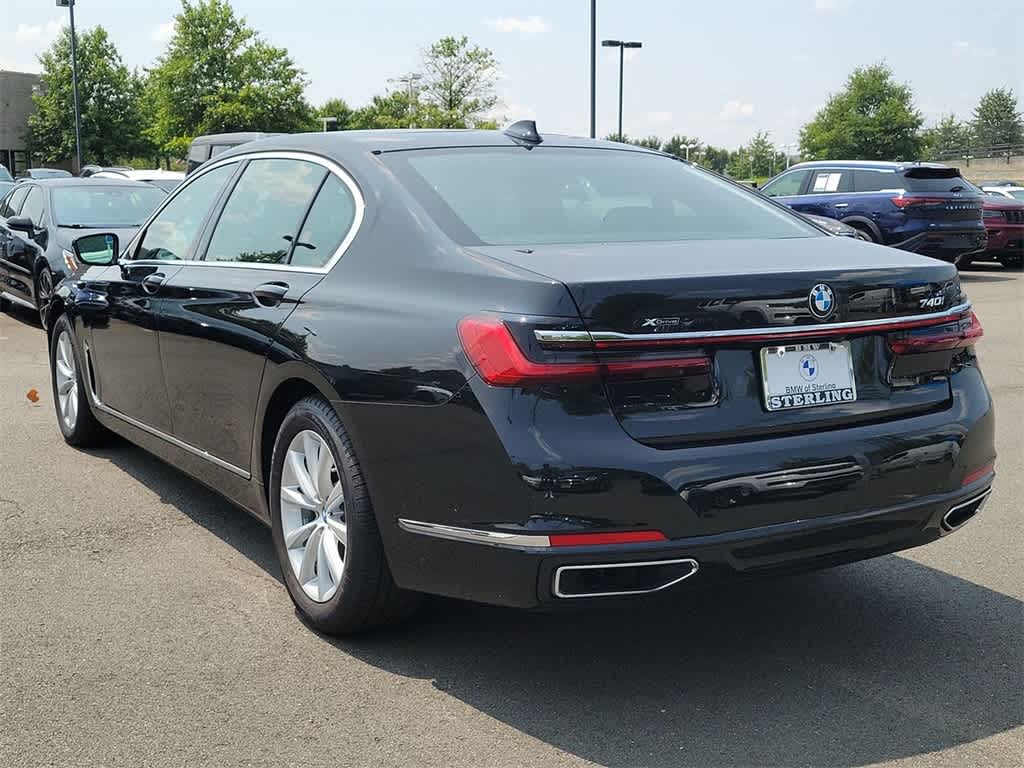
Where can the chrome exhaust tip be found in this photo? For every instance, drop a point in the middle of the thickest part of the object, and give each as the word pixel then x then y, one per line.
pixel 962 513
pixel 618 579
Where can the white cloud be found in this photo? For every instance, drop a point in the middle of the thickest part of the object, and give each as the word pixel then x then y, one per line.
pixel 530 25
pixel 161 33
pixel 964 48
pixel 831 6
pixel 39 34
pixel 736 110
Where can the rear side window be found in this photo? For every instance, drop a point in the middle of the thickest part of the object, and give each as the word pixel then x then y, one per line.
pixel 787 184
pixel 171 234
pixel 511 196
pixel 875 181
pixel 327 224
pixel 830 180
pixel 264 211
pixel 934 180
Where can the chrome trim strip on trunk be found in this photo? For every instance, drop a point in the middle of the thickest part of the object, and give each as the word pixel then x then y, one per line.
pixel 585 337
pixel 474 535
pixel 557 587
pixel 168 438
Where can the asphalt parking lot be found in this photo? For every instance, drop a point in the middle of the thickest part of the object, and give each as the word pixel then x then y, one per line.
pixel 142 622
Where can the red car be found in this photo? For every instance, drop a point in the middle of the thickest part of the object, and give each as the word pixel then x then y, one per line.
pixel 1004 223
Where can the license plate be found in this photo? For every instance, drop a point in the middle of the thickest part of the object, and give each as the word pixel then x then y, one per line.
pixel 807 375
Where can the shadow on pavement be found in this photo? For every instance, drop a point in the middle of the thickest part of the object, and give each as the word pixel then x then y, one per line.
pixel 865 663
pixel 23 315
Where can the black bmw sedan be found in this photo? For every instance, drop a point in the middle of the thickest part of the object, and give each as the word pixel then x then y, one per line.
pixel 39 219
pixel 524 370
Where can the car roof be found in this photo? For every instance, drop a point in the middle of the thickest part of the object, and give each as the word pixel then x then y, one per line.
pixel 876 165
pixel 232 138
pixel 341 145
pixel 139 174
pixel 1000 187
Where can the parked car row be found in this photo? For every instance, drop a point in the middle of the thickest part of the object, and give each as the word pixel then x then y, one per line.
pixel 529 369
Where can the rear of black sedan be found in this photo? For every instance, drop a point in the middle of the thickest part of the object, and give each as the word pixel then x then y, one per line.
pixel 532 371
pixel 699 385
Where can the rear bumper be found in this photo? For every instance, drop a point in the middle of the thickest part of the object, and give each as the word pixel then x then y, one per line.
pixel 1005 239
pixel 513 575
pixel 946 245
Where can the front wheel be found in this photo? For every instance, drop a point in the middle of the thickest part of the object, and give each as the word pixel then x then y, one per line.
pixel 325 532
pixel 74 414
pixel 44 290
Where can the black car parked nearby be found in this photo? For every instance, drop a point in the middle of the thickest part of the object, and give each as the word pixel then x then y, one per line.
pixel 40 219
pixel 524 370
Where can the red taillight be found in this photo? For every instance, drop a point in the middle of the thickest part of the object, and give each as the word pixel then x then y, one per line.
pixel 597 538
pixel 496 356
pixel 938 339
pixel 908 201
pixel 977 474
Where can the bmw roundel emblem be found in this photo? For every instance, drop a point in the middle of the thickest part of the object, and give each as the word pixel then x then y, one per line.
pixel 822 301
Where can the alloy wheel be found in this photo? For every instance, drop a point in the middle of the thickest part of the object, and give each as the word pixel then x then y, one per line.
pixel 67 380
pixel 44 289
pixel 313 515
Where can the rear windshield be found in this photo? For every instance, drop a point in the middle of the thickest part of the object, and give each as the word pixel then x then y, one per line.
pixel 935 180
pixel 100 207
pixel 511 196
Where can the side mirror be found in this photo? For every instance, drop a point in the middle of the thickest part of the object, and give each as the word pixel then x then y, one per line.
pixel 100 250
pixel 21 224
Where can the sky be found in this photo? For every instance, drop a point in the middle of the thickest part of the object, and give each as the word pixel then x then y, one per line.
pixel 720 70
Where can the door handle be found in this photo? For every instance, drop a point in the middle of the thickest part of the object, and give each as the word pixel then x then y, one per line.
pixel 151 283
pixel 270 294
pixel 842 205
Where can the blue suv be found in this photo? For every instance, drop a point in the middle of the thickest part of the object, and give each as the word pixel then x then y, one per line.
pixel 921 207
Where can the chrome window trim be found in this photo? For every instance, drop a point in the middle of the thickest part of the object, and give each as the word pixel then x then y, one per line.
pixel 557 586
pixel 329 165
pixel 564 337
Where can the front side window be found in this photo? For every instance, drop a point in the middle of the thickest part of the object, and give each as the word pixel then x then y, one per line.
pixel 263 214
pixel 103 207
pixel 327 224
pixel 787 184
pixel 13 202
pixel 171 234
pixel 34 206
pixel 548 195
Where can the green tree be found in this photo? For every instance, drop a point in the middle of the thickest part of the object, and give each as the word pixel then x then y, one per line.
pixel 714 158
pixel 338 109
pixel 948 134
pixel 218 75
pixel 677 145
pixel 458 81
pixel 872 118
pixel 759 159
pixel 651 142
pixel 109 95
pixel 997 119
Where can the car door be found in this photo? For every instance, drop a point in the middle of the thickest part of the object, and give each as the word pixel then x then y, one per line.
pixel 22 249
pixel 827 193
pixel 8 208
pixel 122 325
pixel 270 244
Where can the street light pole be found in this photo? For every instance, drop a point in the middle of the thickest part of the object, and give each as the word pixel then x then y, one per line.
pixel 409 81
pixel 621 45
pixel 70 5
pixel 593 68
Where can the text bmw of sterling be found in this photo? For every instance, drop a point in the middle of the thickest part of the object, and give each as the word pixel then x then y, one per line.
pixel 427 380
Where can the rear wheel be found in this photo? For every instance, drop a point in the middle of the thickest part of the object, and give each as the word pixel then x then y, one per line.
pixel 863 233
pixel 74 414
pixel 325 532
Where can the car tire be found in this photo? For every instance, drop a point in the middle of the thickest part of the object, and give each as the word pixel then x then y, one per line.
pixel 863 233
pixel 344 585
pixel 75 418
pixel 44 289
